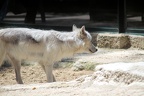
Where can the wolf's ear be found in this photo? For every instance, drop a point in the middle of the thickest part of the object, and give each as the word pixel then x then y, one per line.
pixel 82 32
pixel 74 27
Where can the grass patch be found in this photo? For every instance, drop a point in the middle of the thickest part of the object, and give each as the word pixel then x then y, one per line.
pixel 28 63
pixel 89 66
pixel 65 64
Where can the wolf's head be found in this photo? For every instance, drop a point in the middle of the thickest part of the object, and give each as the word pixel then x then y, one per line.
pixel 84 40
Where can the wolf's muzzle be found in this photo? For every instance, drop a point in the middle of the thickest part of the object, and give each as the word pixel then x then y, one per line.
pixel 93 50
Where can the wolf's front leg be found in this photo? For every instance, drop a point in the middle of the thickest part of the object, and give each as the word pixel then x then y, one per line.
pixel 43 67
pixel 49 74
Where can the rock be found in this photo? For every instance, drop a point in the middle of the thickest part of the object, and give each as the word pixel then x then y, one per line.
pixel 137 41
pixel 77 66
pixel 122 72
pixel 116 41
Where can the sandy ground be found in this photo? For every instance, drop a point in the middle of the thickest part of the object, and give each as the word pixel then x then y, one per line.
pixel 34 78
pixel 33 74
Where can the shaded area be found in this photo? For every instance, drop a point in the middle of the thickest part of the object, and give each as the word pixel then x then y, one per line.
pixel 64 21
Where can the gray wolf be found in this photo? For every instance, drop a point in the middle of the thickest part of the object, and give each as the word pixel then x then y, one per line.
pixel 43 46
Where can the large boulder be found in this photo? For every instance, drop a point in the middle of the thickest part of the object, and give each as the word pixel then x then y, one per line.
pixel 116 41
pixel 126 73
pixel 137 41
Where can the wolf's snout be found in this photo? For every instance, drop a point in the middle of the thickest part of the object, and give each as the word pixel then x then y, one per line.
pixel 96 50
pixel 93 50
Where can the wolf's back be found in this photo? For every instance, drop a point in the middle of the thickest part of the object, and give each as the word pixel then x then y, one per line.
pixel 15 35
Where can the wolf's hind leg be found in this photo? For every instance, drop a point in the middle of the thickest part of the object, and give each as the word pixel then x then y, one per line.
pixel 2 57
pixel 2 54
pixel 54 80
pixel 17 66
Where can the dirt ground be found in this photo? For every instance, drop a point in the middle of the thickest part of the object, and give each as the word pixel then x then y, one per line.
pixel 34 78
pixel 33 74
